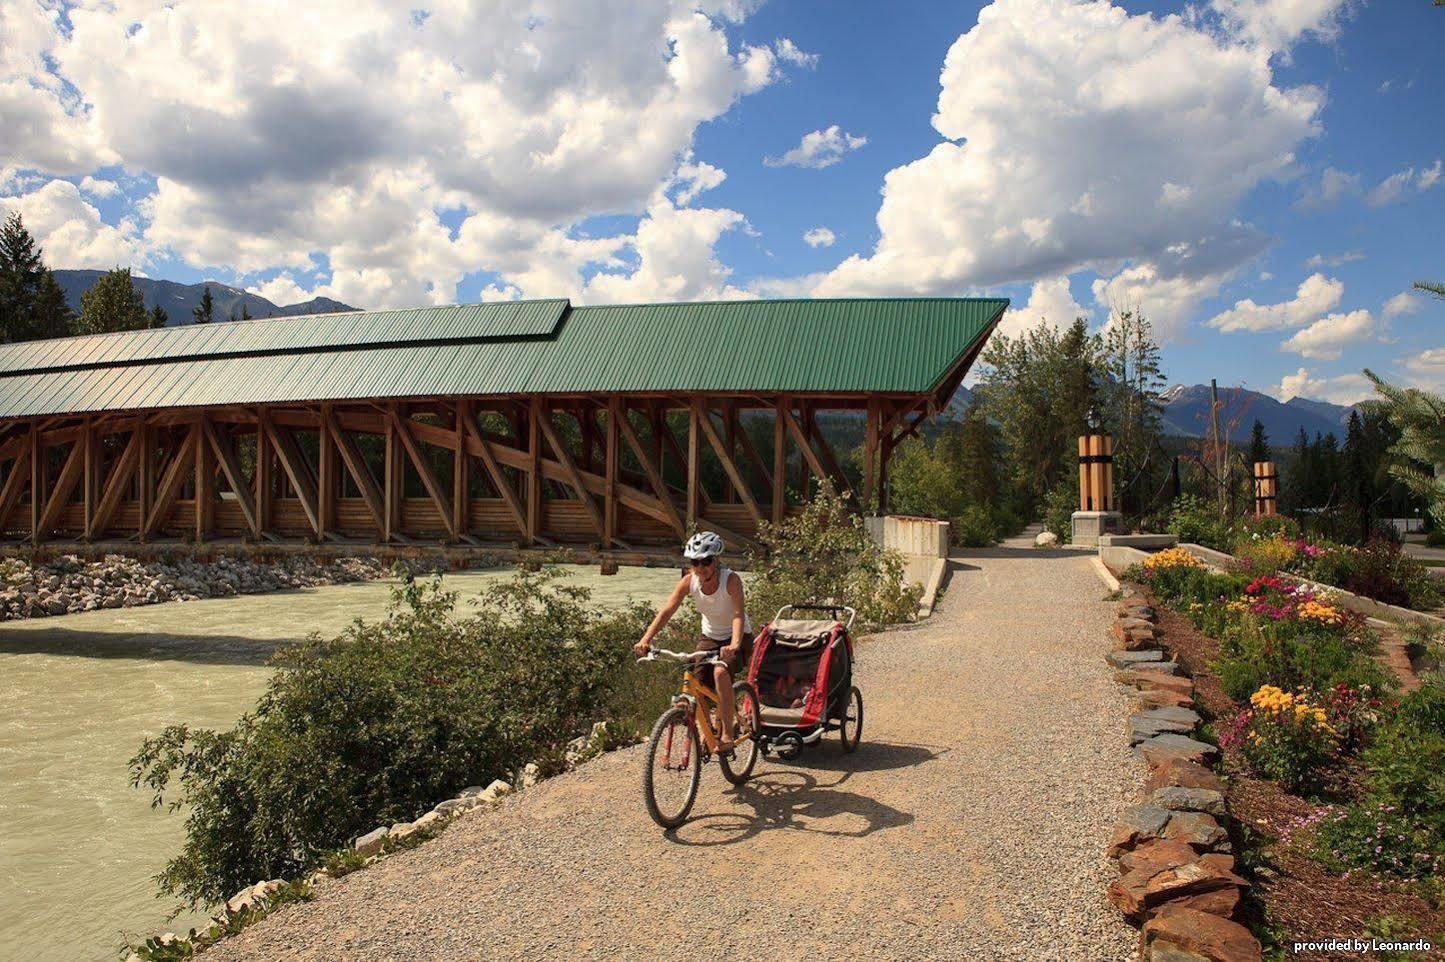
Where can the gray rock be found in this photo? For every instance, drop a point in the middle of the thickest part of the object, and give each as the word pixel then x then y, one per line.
pixel 1145 819
pixel 1169 746
pixel 1182 716
pixel 1045 539
pixel 1126 659
pixel 1189 800
pixel 370 843
pixel 1142 727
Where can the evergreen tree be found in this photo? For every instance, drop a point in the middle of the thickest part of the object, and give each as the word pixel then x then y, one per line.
pixel 159 317
pixel 205 312
pixel 1130 384
pixel 32 305
pixel 1418 456
pixel 1258 444
pixel 113 304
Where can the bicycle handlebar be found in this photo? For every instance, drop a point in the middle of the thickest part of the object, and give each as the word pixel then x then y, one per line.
pixel 701 657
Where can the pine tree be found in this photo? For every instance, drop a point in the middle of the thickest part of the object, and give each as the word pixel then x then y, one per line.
pixel 159 317
pixel 1258 444
pixel 1130 384
pixel 1418 457
pixel 205 312
pixel 32 305
pixel 113 304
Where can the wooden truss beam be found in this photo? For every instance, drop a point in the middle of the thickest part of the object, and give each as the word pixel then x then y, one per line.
pixel 564 457
pixel 704 421
pixel 117 484
pixel 303 482
pixel 226 456
pixel 182 462
pixel 402 427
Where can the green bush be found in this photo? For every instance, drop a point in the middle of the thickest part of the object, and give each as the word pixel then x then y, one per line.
pixel 974 527
pixel 825 554
pixel 1406 763
pixel 1198 522
pixel 380 723
pixel 1255 651
pixel 1059 510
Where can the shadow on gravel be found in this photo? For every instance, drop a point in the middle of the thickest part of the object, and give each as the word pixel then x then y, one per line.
pixel 808 796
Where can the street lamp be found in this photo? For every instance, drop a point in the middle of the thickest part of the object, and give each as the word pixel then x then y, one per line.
pixel 1092 419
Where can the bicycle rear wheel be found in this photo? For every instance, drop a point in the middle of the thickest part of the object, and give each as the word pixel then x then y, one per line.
pixel 672 768
pixel 750 725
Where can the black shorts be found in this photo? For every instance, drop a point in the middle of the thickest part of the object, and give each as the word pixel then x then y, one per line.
pixel 712 646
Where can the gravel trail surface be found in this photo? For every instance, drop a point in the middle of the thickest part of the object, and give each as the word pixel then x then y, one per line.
pixel 971 824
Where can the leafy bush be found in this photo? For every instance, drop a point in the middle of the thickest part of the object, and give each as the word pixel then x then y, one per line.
pixel 1284 737
pixel 1406 763
pixel 381 722
pixel 975 527
pixel 1197 522
pixel 1383 572
pixel 1059 510
pixel 1265 554
pixel 1255 652
pixel 1378 839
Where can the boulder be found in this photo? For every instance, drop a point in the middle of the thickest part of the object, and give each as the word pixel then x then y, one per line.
pixel 427 822
pixel 401 830
pixel 1156 855
pixel 451 806
pixel 1154 674
pixel 1134 608
pixel 1171 747
pixel 1163 698
pixel 531 774
pixel 370 843
pixel 1123 626
pixel 1045 539
pixel 1198 829
pixel 496 790
pixel 1137 639
pixel 1178 933
pixel 1126 659
pixel 609 566
pixel 471 791
pixel 1142 889
pixel 1221 902
pixel 1137 825
pixel 1185 774
pixel 1159 721
pixel 1178 798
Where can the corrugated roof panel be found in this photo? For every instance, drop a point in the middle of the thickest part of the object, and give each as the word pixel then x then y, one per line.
pixel 904 346
pixel 313 331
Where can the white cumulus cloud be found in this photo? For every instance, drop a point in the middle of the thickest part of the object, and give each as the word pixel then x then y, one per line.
pixel 819 237
pixel 821 148
pixel 1342 389
pixel 1324 340
pixel 789 52
pixel 1405 302
pixel 1400 183
pixel 1065 124
pixel 1050 300
pixel 1315 295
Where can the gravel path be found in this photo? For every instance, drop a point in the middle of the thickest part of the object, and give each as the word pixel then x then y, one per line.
pixel 971 824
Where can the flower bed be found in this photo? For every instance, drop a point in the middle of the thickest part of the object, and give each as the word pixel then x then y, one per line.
pixel 1342 777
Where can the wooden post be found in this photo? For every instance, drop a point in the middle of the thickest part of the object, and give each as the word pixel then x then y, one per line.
pixel 534 472
pixel 780 463
pixel 694 473
pixel 730 441
pixel 461 481
pixel 37 481
pixel 91 480
pixel 391 483
pixel 1107 451
pixel 804 444
pixel 870 453
pixel 1265 480
pixel 145 478
pixel 1085 502
pixel 205 471
pixel 264 479
pixel 325 477
pixel 609 507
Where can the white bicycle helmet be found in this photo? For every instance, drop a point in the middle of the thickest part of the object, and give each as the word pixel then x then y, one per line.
pixel 704 544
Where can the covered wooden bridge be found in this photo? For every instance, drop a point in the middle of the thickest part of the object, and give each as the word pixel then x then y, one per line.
pixel 521 424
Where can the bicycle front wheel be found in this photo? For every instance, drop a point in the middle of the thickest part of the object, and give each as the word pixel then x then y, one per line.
pixel 672 768
pixel 750 727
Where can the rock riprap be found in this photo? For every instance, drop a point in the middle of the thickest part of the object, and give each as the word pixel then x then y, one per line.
pixel 68 583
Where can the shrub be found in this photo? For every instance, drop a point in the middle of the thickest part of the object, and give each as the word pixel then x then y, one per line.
pixel 1375 838
pixel 1383 572
pixel 378 724
pixel 1254 653
pixel 1059 508
pixel 1284 737
pixel 1196 522
pixel 974 527
pixel 1265 555
pixel 825 554
pixel 1406 763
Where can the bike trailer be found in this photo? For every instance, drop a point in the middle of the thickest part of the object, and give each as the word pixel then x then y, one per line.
pixel 802 670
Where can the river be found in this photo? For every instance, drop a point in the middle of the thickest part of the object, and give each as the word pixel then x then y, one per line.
pixel 78 845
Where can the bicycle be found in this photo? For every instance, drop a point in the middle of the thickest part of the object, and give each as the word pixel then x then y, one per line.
pixel 684 737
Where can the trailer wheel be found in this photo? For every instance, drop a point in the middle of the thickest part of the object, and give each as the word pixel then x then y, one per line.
pixel 850 726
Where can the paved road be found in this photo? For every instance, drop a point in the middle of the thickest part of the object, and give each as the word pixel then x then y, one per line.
pixel 970 825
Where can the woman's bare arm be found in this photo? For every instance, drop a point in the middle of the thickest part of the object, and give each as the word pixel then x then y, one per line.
pixel 664 614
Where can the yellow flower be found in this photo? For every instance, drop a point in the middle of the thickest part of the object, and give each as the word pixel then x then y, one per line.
pixel 1172 558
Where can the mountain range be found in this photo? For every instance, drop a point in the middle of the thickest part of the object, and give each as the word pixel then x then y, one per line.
pixel 1185 413
pixel 178 300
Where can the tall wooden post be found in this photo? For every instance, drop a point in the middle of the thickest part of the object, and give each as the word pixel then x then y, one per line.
pixel 461 472
pixel 205 484
pixel 37 481
pixel 694 465
pixel 534 474
pixel 145 478
pixel 91 480
pixel 870 453
pixel 390 482
pixel 264 480
pixel 1096 472
pixel 780 464
pixel 609 507
pixel 326 476
pixel 1266 479
pixel 1086 500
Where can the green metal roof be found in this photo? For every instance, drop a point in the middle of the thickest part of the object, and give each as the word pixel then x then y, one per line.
pixel 904 345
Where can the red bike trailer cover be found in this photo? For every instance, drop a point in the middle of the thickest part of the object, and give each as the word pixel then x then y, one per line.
pixel 817 702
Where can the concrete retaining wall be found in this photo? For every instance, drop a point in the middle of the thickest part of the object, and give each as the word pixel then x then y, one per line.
pixel 920 537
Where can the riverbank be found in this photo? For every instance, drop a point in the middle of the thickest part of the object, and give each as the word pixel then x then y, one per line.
pixel 81 693
pixel 70 584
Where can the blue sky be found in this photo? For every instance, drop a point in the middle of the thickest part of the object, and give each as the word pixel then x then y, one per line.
pixel 1260 177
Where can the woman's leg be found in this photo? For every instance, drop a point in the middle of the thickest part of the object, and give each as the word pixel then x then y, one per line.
pixel 723 684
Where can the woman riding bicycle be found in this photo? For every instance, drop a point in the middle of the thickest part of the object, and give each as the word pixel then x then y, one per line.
pixel 718 593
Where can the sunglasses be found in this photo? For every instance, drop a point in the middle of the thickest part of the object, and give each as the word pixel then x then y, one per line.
pixel 704 563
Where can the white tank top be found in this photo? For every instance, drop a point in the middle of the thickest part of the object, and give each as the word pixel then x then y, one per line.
pixel 717 608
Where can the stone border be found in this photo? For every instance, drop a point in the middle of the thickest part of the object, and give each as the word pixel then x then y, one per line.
pixel 1174 856
pixel 254 902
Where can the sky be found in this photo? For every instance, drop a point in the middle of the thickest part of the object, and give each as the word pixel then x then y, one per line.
pixel 1261 178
